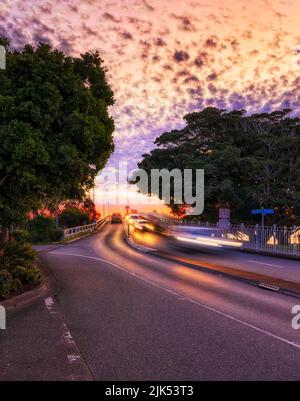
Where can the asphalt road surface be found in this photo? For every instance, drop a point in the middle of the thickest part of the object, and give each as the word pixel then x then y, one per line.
pixel 119 314
pixel 284 269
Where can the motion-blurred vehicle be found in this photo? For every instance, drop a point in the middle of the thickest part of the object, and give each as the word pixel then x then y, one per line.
pixel 144 225
pixel 131 218
pixel 202 238
pixel 116 218
pixel 139 223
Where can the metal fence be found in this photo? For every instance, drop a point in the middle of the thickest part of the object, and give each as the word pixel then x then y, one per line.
pixel 77 231
pixel 270 239
pixel 276 240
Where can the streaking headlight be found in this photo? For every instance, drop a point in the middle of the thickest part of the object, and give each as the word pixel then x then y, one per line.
pixel 215 242
pixel 138 226
pixel 149 226
pixel 198 242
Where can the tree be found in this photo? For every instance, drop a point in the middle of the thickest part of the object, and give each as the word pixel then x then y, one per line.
pixel 55 129
pixel 77 213
pixel 249 161
pixel 73 217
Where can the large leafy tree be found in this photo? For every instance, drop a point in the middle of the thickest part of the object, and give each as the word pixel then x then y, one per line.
pixel 55 129
pixel 249 161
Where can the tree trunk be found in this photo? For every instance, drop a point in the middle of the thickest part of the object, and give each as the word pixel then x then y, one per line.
pixel 57 217
pixel 4 237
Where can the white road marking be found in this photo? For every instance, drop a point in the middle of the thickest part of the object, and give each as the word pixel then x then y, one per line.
pixel 264 264
pixel 66 337
pixel 242 322
pixel 73 358
pixel 50 305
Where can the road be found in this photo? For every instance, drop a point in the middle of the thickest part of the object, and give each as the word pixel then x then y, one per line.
pixel 119 314
pixel 283 269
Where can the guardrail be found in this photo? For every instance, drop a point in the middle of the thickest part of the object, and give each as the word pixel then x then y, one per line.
pixel 76 231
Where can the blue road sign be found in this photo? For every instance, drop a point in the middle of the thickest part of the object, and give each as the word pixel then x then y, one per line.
pixel 263 211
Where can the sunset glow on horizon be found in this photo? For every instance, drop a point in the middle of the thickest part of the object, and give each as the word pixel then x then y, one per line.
pixel 168 58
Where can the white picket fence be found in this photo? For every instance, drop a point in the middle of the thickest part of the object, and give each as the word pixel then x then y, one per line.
pixel 76 231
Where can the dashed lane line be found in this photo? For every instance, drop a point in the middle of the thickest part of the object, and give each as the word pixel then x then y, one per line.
pixel 264 264
pixel 78 368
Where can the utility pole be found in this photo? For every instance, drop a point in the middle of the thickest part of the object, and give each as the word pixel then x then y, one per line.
pixel 262 220
pixel 94 203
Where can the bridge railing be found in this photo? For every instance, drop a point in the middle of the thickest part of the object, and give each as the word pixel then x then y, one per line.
pixel 76 231
pixel 270 239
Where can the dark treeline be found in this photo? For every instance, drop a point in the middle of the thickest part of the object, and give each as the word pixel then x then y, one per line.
pixel 250 161
pixel 56 133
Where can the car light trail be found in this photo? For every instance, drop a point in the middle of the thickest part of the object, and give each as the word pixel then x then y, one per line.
pixel 138 226
pixel 218 243
pixel 198 242
pixel 223 242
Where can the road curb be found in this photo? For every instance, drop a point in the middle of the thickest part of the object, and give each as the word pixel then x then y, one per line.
pixel 263 284
pixel 257 283
pixel 44 289
pixel 27 298
pixel 270 254
pixel 140 248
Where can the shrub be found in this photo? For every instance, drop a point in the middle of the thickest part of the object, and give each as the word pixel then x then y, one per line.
pixel 73 217
pixel 6 282
pixel 16 286
pixel 56 234
pixel 40 229
pixel 20 236
pixel 16 254
pixel 17 268
pixel 27 275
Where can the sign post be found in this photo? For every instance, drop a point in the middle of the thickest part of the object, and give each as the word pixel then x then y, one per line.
pixel 263 213
pixel 2 58
pixel 2 318
pixel 224 218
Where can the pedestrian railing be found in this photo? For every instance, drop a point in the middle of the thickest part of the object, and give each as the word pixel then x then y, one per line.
pixel 76 231
pixel 270 239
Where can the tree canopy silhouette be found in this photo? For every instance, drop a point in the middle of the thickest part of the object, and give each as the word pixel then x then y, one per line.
pixel 55 129
pixel 250 161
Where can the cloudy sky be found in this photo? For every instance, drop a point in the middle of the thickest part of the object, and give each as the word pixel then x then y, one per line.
pixel 166 58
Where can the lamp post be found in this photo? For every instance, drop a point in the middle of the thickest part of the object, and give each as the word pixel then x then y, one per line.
pixel 94 204
pixel 93 167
